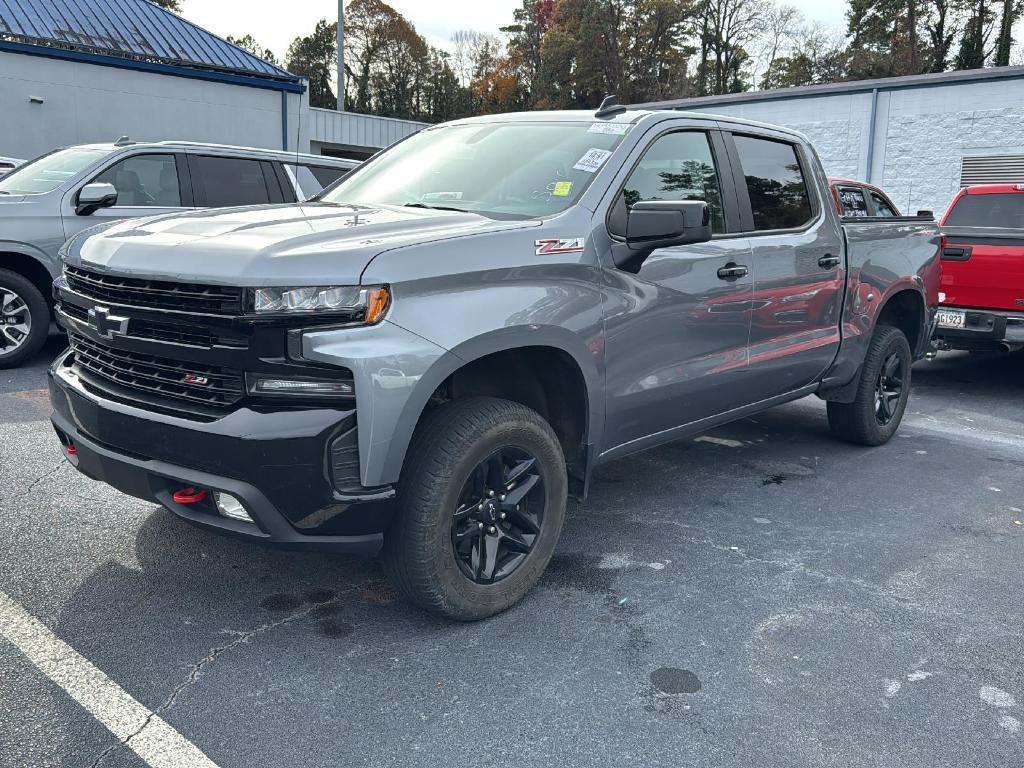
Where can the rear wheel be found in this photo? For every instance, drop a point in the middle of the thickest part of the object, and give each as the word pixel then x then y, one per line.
pixel 882 393
pixel 24 319
pixel 481 505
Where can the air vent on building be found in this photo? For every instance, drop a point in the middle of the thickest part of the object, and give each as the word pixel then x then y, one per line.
pixel 992 169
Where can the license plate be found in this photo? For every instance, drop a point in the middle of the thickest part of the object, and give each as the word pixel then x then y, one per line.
pixel 951 318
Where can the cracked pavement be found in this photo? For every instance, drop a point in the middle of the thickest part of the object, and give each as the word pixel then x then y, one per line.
pixel 769 597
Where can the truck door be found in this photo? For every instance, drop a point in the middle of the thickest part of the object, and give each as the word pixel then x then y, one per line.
pixel 797 263
pixel 146 184
pixel 676 331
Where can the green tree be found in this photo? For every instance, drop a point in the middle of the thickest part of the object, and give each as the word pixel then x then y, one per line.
pixel 1004 43
pixel 315 57
pixel 974 45
pixel 886 38
pixel 170 5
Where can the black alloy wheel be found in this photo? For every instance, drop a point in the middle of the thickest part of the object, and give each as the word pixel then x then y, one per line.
pixel 499 517
pixel 889 387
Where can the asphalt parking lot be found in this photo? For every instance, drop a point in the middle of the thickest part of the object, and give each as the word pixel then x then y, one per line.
pixel 760 596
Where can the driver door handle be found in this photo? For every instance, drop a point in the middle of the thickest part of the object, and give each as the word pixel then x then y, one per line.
pixel 828 261
pixel 733 271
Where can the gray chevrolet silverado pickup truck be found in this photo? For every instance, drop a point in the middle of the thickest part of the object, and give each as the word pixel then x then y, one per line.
pixel 430 358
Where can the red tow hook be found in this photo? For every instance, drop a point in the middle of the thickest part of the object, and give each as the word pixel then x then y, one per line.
pixel 189 495
pixel 70 449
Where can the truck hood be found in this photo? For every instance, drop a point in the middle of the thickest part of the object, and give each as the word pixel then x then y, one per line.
pixel 309 244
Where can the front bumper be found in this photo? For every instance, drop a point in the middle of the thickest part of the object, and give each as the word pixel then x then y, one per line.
pixel 984 329
pixel 275 462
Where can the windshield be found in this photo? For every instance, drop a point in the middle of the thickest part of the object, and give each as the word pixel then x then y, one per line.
pixel 516 170
pixel 1002 211
pixel 48 172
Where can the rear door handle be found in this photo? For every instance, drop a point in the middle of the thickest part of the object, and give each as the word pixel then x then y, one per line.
pixel 828 261
pixel 733 271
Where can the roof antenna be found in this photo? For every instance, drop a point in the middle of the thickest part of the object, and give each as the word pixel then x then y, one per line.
pixel 609 107
pixel 124 141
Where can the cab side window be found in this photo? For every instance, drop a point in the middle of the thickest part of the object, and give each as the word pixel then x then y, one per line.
pixel 677 166
pixel 775 182
pixel 882 207
pixel 853 202
pixel 144 181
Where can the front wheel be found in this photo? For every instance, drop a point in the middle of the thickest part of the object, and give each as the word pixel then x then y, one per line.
pixel 882 392
pixel 481 505
pixel 24 319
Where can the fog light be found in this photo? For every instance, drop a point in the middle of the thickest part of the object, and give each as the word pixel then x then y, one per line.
pixel 263 385
pixel 231 507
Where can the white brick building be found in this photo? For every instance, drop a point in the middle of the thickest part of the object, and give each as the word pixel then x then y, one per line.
pixel 916 137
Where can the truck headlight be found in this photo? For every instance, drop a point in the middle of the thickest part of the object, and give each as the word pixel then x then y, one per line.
pixel 369 304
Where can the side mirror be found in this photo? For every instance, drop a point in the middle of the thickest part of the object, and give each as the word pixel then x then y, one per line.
pixel 926 214
pixel 653 224
pixel 92 197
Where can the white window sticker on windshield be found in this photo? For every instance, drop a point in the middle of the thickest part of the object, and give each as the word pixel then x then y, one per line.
pixel 613 129
pixel 592 160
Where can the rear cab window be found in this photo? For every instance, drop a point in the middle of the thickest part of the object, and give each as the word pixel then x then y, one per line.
pixel 1003 210
pixel 779 196
pixel 882 206
pixel 310 180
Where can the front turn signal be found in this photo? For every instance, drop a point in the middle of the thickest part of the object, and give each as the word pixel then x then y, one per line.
pixel 377 301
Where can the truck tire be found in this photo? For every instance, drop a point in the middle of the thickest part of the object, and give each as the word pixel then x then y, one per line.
pixel 876 412
pixel 481 504
pixel 24 319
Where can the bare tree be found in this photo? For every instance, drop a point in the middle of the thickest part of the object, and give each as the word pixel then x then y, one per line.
pixel 468 47
pixel 780 23
pixel 731 26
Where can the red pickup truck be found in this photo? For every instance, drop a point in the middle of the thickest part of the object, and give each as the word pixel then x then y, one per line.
pixel 981 300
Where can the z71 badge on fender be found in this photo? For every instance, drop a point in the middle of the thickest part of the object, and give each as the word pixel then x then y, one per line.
pixel 552 247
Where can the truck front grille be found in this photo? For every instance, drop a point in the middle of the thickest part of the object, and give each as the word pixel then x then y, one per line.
pixel 191 333
pixel 161 376
pixel 156 294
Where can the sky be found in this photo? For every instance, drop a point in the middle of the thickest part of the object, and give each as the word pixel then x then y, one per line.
pixel 436 20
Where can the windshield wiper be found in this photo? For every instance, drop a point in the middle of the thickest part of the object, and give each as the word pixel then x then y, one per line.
pixel 436 207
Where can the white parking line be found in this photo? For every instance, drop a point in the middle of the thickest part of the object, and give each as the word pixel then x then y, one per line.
pixel 144 732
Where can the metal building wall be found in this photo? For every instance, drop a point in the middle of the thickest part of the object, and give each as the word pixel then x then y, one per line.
pixel 349 130
pixel 86 103
pixel 83 103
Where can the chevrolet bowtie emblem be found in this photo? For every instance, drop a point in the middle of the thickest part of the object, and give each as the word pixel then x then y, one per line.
pixel 106 324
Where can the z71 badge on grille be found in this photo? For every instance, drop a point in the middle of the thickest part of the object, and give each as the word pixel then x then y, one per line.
pixel 194 378
pixel 552 247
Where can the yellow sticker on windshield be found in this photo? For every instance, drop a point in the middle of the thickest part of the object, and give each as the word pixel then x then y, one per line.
pixel 562 188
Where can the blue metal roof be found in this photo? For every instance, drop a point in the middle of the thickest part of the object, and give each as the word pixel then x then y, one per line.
pixel 134 30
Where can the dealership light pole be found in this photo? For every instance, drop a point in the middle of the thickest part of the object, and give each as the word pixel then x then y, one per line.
pixel 341 55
